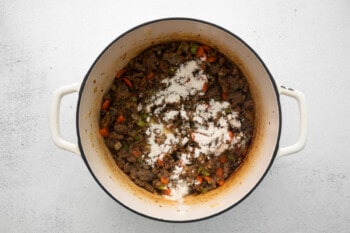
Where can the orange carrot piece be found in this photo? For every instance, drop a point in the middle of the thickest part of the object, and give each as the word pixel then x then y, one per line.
pixel 219 172
pixel 164 180
pixel 206 48
pixel 136 153
pixel 104 132
pixel 205 87
pixel 221 182
pixel 223 159
pixel 224 96
pixel 105 105
pixel 230 135
pixel 211 59
pixel 207 179
pixel 193 136
pixel 120 73
pixel 150 75
pixel 166 192
pixel 120 119
pixel 127 82
pixel 199 179
pixel 160 162
pixel 200 52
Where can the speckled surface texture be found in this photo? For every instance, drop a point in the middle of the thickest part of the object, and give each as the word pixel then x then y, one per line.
pixel 47 44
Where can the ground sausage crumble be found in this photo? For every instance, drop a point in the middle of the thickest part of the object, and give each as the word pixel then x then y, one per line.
pixel 178 119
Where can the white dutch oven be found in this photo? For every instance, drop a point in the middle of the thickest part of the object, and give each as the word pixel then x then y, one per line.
pixel 264 149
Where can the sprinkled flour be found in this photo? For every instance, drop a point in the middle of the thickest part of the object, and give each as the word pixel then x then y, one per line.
pixel 211 129
pixel 178 119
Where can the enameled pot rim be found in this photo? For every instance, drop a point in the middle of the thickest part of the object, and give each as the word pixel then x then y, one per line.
pixel 174 19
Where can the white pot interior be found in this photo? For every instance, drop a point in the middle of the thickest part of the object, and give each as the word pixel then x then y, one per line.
pixel 97 155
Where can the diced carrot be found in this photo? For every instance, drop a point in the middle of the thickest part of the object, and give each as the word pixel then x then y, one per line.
pixel 104 132
pixel 230 135
pixel 136 153
pixel 200 52
pixel 164 180
pixel 224 96
pixel 193 136
pixel 160 162
pixel 120 73
pixel 211 59
pixel 221 182
pixel 223 159
pixel 150 75
pixel 219 171
pixel 206 48
pixel 205 87
pixel 207 179
pixel 166 192
pixel 127 82
pixel 105 105
pixel 120 119
pixel 199 179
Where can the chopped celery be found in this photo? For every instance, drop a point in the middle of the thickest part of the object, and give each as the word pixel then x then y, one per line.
pixel 137 138
pixel 194 48
pixel 172 71
pixel 144 116
pixel 204 190
pixel 203 171
pixel 162 187
pixel 126 147
pixel 141 123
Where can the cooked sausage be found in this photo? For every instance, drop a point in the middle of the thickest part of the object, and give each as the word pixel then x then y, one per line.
pixel 180 113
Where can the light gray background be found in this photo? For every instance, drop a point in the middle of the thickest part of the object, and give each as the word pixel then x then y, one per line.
pixel 47 44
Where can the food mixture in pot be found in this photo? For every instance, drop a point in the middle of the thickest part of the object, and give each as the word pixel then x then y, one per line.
pixel 178 119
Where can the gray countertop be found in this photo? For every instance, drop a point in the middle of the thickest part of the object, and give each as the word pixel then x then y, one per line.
pixel 48 44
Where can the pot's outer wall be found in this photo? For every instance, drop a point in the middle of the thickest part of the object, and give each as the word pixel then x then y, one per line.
pixel 116 183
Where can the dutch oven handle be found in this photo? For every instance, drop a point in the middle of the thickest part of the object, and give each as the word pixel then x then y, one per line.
pixel 303 129
pixel 54 117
